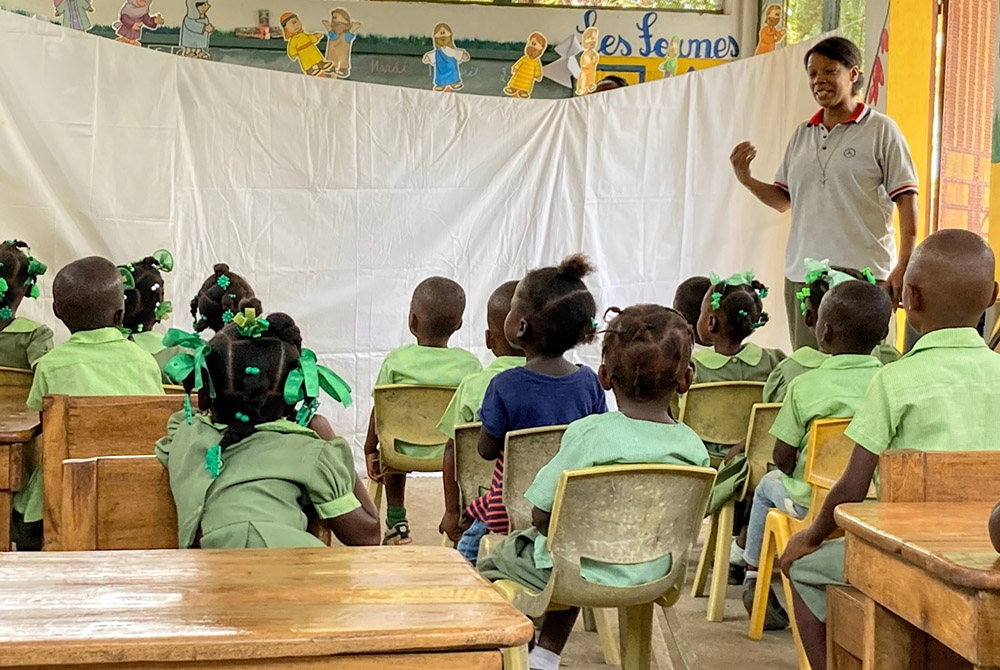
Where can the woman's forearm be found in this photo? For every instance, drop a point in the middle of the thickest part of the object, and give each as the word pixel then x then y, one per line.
pixel 771 195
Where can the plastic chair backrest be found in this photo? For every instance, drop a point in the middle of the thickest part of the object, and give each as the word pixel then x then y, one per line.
pixel 472 472
pixel 16 378
pixel 829 450
pixel 410 414
pixel 720 412
pixel 174 389
pixel 760 443
pixel 624 514
pixel 525 453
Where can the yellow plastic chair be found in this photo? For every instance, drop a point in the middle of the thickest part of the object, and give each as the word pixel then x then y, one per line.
pixel 174 389
pixel 760 445
pixel 828 452
pixel 15 377
pixel 472 472
pixel 719 413
pixel 620 514
pixel 409 414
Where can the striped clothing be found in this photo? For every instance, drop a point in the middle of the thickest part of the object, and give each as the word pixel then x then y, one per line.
pixel 526 72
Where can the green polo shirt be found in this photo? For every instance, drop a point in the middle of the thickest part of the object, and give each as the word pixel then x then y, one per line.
pixel 427 366
pixel 152 342
pixel 751 364
pixel 613 439
pixel 886 353
pixel 468 398
pixel 835 389
pixel 801 360
pixel 942 396
pixel 23 342
pixel 266 479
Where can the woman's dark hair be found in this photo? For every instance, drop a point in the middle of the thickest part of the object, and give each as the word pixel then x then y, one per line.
pixel 219 298
pixel 559 306
pixel 647 349
pixel 142 301
pixel 742 306
pixel 249 373
pixel 14 271
pixel 845 52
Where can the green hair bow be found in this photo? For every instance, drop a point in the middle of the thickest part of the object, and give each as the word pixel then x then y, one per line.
pixel 815 269
pixel 182 366
pixel 128 281
pixel 249 324
pixel 164 260
pixel 738 279
pixel 3 288
pixel 304 384
pixel 163 310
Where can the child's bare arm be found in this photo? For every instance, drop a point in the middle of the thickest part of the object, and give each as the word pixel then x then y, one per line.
pixel 371 451
pixel 358 527
pixel 785 456
pixel 451 522
pixel 540 519
pixel 489 447
pixel 995 527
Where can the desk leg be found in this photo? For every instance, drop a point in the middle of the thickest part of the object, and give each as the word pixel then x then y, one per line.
pixel 6 497
pixel 890 642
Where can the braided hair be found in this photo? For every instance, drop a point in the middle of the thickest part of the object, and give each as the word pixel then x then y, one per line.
pixel 249 373
pixel 142 303
pixel 742 306
pixel 14 273
pixel 812 297
pixel 559 305
pixel 219 298
pixel 646 351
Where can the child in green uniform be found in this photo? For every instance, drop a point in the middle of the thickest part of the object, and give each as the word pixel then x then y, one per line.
pixel 218 299
pixel 853 318
pixel 22 341
pixel 820 278
pixel 244 476
pixel 645 361
pixel 145 306
pixel 96 360
pixel 436 311
pixel 464 406
pixel 942 396
pixel 687 300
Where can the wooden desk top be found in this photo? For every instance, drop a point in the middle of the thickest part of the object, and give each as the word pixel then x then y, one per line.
pixel 948 540
pixel 135 606
pixel 17 423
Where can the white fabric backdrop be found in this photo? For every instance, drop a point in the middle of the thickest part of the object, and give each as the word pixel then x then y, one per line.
pixel 335 199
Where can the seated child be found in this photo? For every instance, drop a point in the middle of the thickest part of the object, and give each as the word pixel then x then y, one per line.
pixel 464 407
pixel 688 299
pixel 145 306
pixel 244 476
pixel 853 318
pixel 820 278
pixel 645 360
pixel 942 396
pixel 552 311
pixel 96 360
pixel 435 314
pixel 22 341
pixel 218 299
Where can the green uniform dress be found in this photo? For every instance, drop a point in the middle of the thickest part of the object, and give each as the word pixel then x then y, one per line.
pixel 427 366
pixel 23 342
pixel 751 364
pixel 152 343
pixel 599 439
pixel 266 481
pixel 91 362
pixel 468 398
pixel 942 396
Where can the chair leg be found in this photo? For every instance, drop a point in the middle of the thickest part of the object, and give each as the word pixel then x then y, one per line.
pixel 515 658
pixel 606 634
pixel 589 624
pixel 764 572
pixel 707 551
pixel 677 652
pixel 720 569
pixel 446 541
pixel 375 492
pixel 635 624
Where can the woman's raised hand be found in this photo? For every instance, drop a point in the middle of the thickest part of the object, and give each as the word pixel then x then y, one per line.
pixel 742 156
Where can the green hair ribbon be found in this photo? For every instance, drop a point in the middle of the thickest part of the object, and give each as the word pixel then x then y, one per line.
pixel 801 296
pixel 227 316
pixel 249 324
pixel 815 270
pixel 164 260
pixel 34 292
pixel 213 461
pixel 593 323
pixel 163 310
pixel 764 318
pixel 182 366
pixel 738 279
pixel 128 281
pixel 223 282
pixel 3 287
pixel 867 272
pixel 36 268
pixel 716 300
pixel 6 313
pixel 304 384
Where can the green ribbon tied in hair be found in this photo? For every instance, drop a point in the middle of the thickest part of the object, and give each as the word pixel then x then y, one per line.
pixel 867 272
pixel 738 279
pixel 6 313
pixel 801 296
pixel 182 366
pixel 213 461
pixel 3 288
pixel 163 310
pixel 164 260
pixel 304 384
pixel 128 281
pixel 249 324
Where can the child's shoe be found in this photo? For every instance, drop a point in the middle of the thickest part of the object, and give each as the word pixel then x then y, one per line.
pixel 399 535
pixel 776 618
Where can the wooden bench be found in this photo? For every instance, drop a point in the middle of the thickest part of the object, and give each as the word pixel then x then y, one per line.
pixel 87 427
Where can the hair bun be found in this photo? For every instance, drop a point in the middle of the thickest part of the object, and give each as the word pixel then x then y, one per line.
pixel 251 303
pixel 283 327
pixel 576 266
pixel 220 268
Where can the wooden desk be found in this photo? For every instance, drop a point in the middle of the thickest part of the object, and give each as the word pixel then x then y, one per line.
pixel 406 608
pixel 931 571
pixel 18 427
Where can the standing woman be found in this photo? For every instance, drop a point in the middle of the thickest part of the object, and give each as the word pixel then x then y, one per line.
pixel 843 170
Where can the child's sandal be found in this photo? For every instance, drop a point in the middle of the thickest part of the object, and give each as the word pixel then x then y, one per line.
pixel 399 535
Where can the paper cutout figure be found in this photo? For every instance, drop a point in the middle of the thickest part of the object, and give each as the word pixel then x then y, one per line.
pixel 196 29
pixel 74 13
pixel 565 68
pixel 528 69
pixel 587 80
pixel 302 46
pixel 669 66
pixel 340 36
pixel 445 59
pixel 133 17
pixel 770 35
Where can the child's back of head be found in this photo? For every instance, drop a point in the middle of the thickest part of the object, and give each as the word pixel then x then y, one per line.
pixel 853 318
pixel 732 309
pixel 436 310
pixel 553 311
pixel 688 298
pixel 647 352
pixel 144 303
pixel 497 309
pixel 219 298
pixel 88 295
pixel 19 273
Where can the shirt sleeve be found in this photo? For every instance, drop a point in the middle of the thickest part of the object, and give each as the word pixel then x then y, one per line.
pixel 452 414
pixel 162 449
pixel 493 413
pixel 39 389
pixel 789 426
pixel 571 455
pixel 875 423
pixel 385 373
pixel 899 174
pixel 781 177
pixel 39 344
pixel 774 387
pixel 330 486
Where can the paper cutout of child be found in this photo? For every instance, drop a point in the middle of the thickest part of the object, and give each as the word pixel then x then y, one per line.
pixel 770 35
pixel 586 82
pixel 528 69
pixel 133 16
pixel 74 13
pixel 196 29
pixel 445 59
pixel 340 36
pixel 302 46
pixel 669 66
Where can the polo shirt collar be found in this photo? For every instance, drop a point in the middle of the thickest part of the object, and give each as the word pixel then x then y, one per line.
pixel 949 338
pixel 21 325
pixel 503 363
pixel 713 360
pixel 850 362
pixel 808 357
pixel 860 112
pixel 97 336
pixel 280 426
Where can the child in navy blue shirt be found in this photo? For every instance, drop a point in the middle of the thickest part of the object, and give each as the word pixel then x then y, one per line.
pixel 551 312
